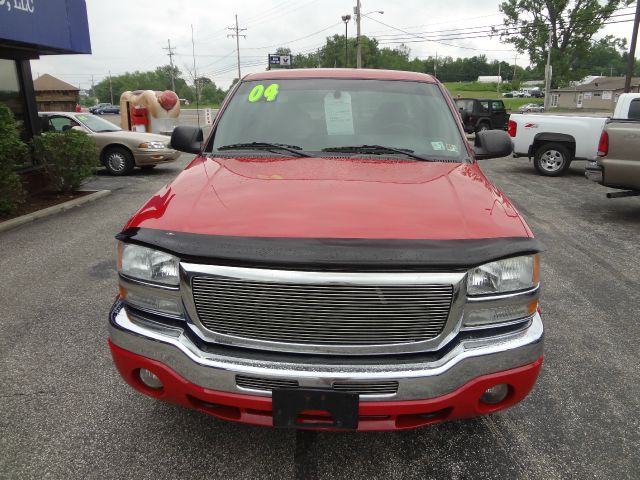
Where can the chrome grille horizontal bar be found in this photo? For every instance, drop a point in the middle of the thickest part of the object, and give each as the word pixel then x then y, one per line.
pixel 255 383
pixel 389 387
pixel 368 388
pixel 332 314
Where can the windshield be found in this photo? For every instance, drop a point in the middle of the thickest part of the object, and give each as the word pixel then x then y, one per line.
pixel 320 114
pixel 97 124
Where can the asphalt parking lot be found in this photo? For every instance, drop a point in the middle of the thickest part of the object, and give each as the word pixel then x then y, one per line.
pixel 65 412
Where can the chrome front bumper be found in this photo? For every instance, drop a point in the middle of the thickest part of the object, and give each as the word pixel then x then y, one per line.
pixel 154 156
pixel 468 359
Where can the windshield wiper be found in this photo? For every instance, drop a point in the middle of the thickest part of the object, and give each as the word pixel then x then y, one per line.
pixel 376 150
pixel 266 146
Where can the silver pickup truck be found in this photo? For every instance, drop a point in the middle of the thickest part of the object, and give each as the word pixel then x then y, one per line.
pixel 618 162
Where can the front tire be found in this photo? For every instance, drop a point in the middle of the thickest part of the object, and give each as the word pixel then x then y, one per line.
pixel 483 127
pixel 552 160
pixel 119 161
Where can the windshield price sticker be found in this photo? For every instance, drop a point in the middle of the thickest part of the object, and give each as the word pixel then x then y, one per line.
pixel 338 113
pixel 259 92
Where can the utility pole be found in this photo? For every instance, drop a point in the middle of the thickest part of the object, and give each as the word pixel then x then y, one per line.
pixel 110 87
pixel 632 51
pixel 358 11
pixel 237 36
pixel 170 49
pixel 515 67
pixel 548 72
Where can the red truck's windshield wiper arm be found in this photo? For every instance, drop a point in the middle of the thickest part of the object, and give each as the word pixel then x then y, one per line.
pixel 265 146
pixel 376 149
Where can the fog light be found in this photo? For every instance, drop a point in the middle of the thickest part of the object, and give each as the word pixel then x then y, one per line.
pixel 149 379
pixel 495 394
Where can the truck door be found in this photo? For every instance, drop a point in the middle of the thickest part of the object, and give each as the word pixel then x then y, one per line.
pixel 499 115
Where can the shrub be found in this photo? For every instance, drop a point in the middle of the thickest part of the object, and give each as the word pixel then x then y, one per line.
pixel 68 158
pixel 14 152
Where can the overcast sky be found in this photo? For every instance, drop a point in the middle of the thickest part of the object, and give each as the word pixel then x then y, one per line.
pixel 128 36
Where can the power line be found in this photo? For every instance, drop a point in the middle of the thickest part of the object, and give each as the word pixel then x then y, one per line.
pixel 295 40
pixel 237 36
pixel 490 29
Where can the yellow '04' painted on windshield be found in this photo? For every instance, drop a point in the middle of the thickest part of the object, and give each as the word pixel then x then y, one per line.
pixel 259 92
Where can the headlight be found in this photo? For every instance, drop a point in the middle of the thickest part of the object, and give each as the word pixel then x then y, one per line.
pixel 508 275
pixel 146 264
pixel 152 145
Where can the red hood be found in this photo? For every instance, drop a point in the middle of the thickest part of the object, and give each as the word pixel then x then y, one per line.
pixel 332 198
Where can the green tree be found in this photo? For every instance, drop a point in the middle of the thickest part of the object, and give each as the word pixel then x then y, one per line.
pixel 569 24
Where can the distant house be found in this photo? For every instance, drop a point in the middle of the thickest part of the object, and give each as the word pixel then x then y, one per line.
pixel 54 95
pixel 489 79
pixel 600 93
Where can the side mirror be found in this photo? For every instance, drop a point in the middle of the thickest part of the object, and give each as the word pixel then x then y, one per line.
pixel 187 139
pixel 492 144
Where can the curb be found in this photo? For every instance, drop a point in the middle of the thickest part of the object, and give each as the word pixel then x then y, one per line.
pixel 47 212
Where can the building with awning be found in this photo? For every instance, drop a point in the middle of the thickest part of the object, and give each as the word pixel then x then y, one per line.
pixel 29 29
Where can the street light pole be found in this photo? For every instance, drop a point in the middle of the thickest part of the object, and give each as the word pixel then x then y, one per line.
pixel 345 19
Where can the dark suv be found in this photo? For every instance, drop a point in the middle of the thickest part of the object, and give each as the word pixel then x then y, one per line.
pixel 478 114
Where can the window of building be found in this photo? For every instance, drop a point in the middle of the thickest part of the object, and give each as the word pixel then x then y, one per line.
pixel 554 99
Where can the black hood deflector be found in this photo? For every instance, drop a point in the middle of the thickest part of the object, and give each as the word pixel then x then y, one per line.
pixel 331 253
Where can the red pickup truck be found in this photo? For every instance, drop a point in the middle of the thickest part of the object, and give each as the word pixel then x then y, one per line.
pixel 332 258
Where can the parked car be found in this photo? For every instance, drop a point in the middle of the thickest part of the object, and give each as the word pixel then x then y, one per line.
pixel 531 107
pixel 618 162
pixel 98 106
pixel 507 95
pixel 120 150
pixel 554 141
pixel 332 258
pixel 482 114
pixel 114 109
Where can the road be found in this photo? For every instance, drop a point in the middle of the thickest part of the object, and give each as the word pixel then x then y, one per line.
pixel 66 414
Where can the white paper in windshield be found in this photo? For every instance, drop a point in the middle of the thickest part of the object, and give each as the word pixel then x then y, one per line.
pixel 338 113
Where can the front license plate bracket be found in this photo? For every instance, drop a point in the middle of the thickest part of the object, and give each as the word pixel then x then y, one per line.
pixel 289 404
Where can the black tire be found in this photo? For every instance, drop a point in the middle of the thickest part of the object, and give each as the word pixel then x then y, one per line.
pixel 118 161
pixel 552 159
pixel 483 127
pixel 148 167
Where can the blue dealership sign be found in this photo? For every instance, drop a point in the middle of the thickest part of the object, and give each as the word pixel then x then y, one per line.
pixel 49 26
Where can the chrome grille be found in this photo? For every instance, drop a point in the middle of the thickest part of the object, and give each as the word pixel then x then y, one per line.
pixel 368 388
pixel 255 383
pixel 389 387
pixel 321 314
